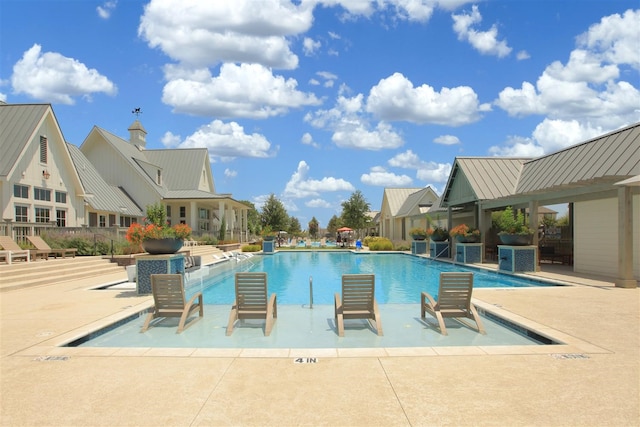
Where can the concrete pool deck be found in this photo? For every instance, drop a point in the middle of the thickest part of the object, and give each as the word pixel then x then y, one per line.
pixel 594 380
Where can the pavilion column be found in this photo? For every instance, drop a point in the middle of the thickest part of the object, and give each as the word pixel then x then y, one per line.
pixel 625 239
pixel 193 216
pixel 533 224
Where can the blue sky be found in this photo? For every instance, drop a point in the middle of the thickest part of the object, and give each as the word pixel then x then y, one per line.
pixel 312 100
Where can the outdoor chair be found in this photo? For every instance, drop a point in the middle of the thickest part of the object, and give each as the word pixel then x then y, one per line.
pixel 454 301
pixel 39 243
pixel 251 301
pixel 358 301
pixel 11 250
pixel 170 301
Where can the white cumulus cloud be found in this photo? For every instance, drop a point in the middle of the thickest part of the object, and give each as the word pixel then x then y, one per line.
pixel 396 98
pixel 228 141
pixel 300 185
pixel 485 42
pixel 205 33
pixel 245 90
pixel 52 77
pixel 379 176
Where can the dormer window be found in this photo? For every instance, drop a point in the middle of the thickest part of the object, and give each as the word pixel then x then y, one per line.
pixel 43 149
pixel 159 177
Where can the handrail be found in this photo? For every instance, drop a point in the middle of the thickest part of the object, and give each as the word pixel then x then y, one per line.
pixel 310 292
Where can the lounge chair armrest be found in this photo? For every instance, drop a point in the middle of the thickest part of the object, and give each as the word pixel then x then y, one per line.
pixel 193 298
pixel 427 296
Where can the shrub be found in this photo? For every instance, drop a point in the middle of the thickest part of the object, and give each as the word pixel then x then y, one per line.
pixel 380 244
pixel 251 248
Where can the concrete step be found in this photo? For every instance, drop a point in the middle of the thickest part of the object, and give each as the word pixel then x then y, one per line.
pixel 47 272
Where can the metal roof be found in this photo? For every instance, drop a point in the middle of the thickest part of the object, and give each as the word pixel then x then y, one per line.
pixel 396 197
pixel 606 159
pixel 183 166
pixel 17 124
pixel 482 178
pixel 103 197
pixel 412 202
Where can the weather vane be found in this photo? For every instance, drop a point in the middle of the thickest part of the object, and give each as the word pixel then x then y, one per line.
pixel 137 112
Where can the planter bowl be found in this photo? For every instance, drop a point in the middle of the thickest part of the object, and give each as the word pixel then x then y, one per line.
pixel 467 239
pixel 162 246
pixel 515 239
pixel 418 237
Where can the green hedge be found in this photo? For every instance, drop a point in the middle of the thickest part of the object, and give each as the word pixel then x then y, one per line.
pixel 379 244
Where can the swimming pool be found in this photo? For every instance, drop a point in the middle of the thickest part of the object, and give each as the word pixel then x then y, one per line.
pixel 400 278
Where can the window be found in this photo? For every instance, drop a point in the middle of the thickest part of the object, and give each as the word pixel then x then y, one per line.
pixel 112 220
pixel 43 149
pixel 22 214
pixel 21 191
pixel 93 219
pixel 42 194
pixel 61 218
pixel 126 221
pixel 169 211
pixel 61 197
pixel 103 221
pixel 183 211
pixel 42 215
pixel 203 214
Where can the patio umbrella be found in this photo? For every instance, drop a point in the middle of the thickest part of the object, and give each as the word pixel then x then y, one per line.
pixel 343 229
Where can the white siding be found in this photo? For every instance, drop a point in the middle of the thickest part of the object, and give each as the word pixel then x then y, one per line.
pixel 596 237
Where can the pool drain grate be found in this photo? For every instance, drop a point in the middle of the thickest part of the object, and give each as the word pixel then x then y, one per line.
pixel 51 358
pixel 570 356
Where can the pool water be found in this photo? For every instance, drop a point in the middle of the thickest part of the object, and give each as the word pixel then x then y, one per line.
pixel 400 278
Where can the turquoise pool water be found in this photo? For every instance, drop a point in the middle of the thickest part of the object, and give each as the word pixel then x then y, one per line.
pixel 400 278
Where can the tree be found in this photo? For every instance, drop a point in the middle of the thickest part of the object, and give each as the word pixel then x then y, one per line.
pixel 274 214
pixel 354 211
pixel 313 227
pixel 294 226
pixel 334 224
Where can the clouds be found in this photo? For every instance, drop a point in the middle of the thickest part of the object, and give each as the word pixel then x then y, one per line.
pixel 395 98
pixel 301 186
pixel 51 77
pixel 201 34
pixel 584 97
pixel 352 127
pixel 224 140
pixel 485 42
pixel 245 90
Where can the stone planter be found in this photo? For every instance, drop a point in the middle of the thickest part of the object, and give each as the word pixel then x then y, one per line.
pixel 418 237
pixel 268 238
pixel 515 239
pixel 162 246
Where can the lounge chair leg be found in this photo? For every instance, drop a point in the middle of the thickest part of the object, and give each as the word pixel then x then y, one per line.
pixel 476 318
pixel 146 322
pixel 443 328
pixel 233 316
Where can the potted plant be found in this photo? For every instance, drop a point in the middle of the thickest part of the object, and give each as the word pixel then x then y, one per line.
pixel 268 234
pixel 437 233
pixel 155 236
pixel 465 234
pixel 418 233
pixel 513 230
